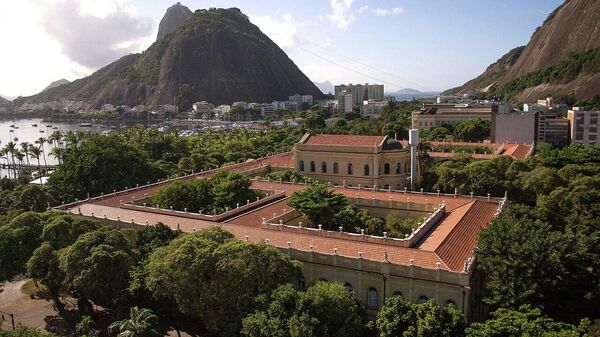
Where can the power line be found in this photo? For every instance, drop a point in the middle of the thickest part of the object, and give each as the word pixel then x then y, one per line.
pixel 370 67
pixel 348 68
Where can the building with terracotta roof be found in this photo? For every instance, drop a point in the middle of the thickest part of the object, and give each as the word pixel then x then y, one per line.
pixel 433 115
pixel 434 262
pixel 351 160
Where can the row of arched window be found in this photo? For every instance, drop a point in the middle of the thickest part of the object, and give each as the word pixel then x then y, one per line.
pixel 350 168
pixel 373 296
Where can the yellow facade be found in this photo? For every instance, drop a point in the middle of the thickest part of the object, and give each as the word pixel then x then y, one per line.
pixel 384 165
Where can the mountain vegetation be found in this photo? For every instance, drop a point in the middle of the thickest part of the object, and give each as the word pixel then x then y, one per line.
pixel 217 55
pixel 560 58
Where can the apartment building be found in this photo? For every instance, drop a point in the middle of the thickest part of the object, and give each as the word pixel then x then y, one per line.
pixel 583 126
pixel 552 129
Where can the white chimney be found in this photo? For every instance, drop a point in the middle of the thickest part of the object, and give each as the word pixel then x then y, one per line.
pixel 413 141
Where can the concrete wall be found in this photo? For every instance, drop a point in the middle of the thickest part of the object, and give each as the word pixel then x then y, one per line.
pixel 516 128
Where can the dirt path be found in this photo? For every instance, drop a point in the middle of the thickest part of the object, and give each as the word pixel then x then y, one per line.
pixel 27 311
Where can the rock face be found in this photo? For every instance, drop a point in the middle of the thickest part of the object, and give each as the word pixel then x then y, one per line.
pixel 218 55
pixel 56 84
pixel 574 27
pixel 174 18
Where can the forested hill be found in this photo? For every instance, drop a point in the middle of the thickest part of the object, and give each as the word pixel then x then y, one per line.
pixel 218 55
pixel 561 57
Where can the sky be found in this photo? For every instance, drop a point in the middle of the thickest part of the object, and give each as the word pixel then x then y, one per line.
pixel 428 45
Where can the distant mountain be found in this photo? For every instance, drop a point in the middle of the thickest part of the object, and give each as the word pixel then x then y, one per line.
pixel 218 55
pixel 408 94
pixel 3 100
pixel 57 83
pixel 325 87
pixel 562 57
pixel 407 91
pixel 174 18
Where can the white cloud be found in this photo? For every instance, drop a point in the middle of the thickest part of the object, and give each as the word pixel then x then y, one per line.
pixel 283 31
pixel 388 11
pixel 341 14
pixel 94 33
pixel 362 9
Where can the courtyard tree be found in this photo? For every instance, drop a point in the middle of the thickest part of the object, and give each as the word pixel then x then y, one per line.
pixel 18 239
pixel 319 204
pixel 140 323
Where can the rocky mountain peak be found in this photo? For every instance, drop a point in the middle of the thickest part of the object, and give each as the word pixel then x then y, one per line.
pixel 175 16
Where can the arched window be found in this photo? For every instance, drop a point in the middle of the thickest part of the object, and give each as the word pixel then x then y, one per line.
pixel 372 298
pixel 366 170
pixel 336 168
pixel 313 166
pixel 386 168
pixel 398 168
pixel 301 166
pixel 423 299
pixel 324 167
pixel 386 186
pixel 350 169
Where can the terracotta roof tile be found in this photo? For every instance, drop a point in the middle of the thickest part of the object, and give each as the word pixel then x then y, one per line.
pixel 351 140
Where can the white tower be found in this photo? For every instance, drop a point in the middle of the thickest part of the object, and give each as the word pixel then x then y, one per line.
pixel 413 141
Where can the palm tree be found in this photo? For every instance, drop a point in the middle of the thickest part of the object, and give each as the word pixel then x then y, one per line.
pixel 11 148
pixel 25 147
pixel 139 324
pixel 36 152
pixel 57 153
pixel 41 142
pixel 55 137
pixel 20 156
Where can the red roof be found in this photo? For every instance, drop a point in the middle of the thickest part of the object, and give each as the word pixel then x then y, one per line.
pixel 351 140
pixel 449 243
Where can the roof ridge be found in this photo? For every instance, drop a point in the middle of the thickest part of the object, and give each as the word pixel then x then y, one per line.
pixel 469 206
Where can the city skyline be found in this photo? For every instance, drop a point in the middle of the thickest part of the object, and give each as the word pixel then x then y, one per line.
pixel 342 41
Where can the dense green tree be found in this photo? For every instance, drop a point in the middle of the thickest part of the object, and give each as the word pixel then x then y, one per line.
pixel 100 164
pixel 525 321
pixel 211 276
pixel 25 331
pixel 151 237
pixel 33 198
pixel 193 195
pixel 319 204
pixel 229 189
pixel 140 323
pixel 324 309
pixel 399 317
pixel 44 267
pixel 18 239
pixel 399 226
pixel 97 267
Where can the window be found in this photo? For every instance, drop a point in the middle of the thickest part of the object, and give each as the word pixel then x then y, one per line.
pixel 350 169
pixel 366 170
pixel 423 299
pixel 398 168
pixel 372 298
pixel 386 168
pixel 386 186
pixel 450 303
pixel 336 168
pixel 324 167
pixel 313 167
pixel 301 166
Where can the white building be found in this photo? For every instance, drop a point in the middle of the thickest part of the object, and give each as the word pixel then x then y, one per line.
pixel 266 109
pixel 362 92
pixel 301 100
pixel 202 107
pixel 108 108
pixel 372 108
pixel 516 127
